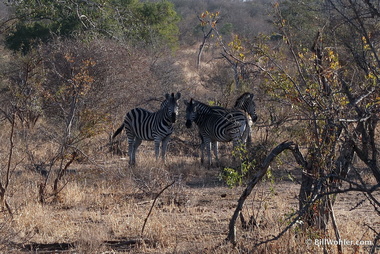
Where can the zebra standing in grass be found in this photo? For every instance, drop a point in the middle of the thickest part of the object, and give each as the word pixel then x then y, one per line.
pixel 246 103
pixel 141 124
pixel 217 124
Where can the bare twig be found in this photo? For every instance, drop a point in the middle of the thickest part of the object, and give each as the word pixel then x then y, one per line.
pixel 151 208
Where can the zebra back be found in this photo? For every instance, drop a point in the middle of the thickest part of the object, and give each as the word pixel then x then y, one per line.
pixel 148 125
pixel 217 123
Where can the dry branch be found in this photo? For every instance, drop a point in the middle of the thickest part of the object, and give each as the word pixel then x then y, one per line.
pixel 261 171
pixel 151 208
pixel 4 186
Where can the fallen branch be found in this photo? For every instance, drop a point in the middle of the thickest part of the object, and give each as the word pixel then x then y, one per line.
pixel 262 169
pixel 151 208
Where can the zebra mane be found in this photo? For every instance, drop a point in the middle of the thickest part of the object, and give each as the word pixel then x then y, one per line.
pixel 245 103
pixel 202 107
pixel 164 104
pixel 242 98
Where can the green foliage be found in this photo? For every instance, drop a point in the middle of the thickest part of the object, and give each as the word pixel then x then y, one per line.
pixel 231 176
pixel 305 18
pixel 226 29
pixel 40 21
pixel 160 19
pixel 25 36
pixel 271 179
pixel 236 177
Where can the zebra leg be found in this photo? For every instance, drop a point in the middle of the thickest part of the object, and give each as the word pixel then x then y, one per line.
pixel 135 145
pixel 202 147
pixel 202 152
pixel 164 146
pixel 157 142
pixel 207 143
pixel 131 142
pixel 249 139
pixel 215 149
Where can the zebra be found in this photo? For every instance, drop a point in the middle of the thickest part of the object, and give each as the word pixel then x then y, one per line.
pixel 246 103
pixel 216 124
pixel 141 124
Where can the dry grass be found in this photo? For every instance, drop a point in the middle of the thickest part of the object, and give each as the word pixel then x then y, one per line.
pixel 103 206
pixel 104 203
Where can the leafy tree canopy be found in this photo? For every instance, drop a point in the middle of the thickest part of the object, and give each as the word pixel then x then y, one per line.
pixel 125 20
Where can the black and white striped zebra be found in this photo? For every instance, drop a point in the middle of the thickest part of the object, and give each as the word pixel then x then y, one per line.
pixel 216 124
pixel 246 103
pixel 141 124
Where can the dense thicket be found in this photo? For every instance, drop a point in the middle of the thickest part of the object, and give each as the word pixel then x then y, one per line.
pixel 128 21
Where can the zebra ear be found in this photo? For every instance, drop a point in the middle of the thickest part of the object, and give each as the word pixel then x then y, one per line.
pixel 177 96
pixel 186 102
pixel 167 96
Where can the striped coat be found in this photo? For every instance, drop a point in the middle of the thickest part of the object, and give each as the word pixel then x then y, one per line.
pixel 141 124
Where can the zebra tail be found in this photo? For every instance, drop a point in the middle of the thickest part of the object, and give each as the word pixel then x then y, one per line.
pixel 118 131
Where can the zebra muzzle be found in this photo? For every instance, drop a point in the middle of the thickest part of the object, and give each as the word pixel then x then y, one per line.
pixel 174 116
pixel 188 124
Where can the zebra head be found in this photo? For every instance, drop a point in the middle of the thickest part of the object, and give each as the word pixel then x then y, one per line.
pixel 245 102
pixel 171 106
pixel 191 112
pixel 195 110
